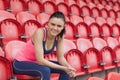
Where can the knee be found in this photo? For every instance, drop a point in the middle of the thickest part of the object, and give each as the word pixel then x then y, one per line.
pixel 46 70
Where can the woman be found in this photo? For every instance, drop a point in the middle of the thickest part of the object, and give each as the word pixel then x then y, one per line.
pixel 30 60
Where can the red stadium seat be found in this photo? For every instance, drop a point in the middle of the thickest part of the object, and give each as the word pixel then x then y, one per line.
pixel 83 44
pixel 75 19
pixel 81 3
pixel 82 29
pixel 34 7
pixel 112 14
pixel 42 18
pixel 85 11
pixel 115 31
pixel 17 6
pixel 49 7
pixel 10 30
pixel 106 31
pixel 110 21
pixel 11 50
pixel 88 20
pixel 68 45
pixel 104 13
pixel 70 2
pixel 100 20
pixel 63 8
pixel 5 15
pixel 71 32
pixel 94 30
pixel 75 58
pixel 75 10
pixel 95 12
pixel 24 16
pixel 100 6
pixel 58 1
pixel 92 60
pixel 29 28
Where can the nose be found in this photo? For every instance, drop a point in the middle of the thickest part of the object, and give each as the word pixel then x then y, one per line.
pixel 55 27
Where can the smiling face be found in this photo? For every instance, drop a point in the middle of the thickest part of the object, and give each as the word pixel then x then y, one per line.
pixel 55 26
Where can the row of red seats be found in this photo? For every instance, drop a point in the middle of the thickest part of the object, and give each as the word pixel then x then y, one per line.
pixel 84 55
pixel 42 18
pixel 11 29
pixel 35 7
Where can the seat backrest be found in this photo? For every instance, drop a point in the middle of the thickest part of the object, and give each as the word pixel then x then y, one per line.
pixel 29 28
pixel 106 30
pixel 94 30
pixel 68 45
pixel 75 59
pixel 75 19
pixel 5 15
pixel 24 16
pixel 99 43
pixel 115 30
pixel 104 13
pixel 82 29
pixel 70 31
pixel 95 12
pixel 34 7
pixel 49 7
pixel 12 48
pixel 17 6
pixel 92 60
pixel 42 18
pixel 75 10
pixel 5 69
pixel 63 8
pixel 112 14
pixel 88 20
pixel 10 30
pixel 85 10
pixel 112 42
pixel 110 21
pixel 100 20
pixel 83 44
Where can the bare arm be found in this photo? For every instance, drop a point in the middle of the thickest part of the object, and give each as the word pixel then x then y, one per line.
pixel 61 58
pixel 60 53
pixel 37 40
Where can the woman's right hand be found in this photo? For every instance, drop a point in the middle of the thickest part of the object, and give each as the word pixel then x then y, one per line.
pixel 70 71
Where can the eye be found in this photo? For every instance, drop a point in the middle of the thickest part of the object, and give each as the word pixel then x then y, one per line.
pixel 59 26
pixel 52 24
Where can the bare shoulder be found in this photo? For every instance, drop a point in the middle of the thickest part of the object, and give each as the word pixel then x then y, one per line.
pixel 38 34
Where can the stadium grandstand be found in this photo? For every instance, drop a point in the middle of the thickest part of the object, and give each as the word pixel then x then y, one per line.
pixel 92 38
